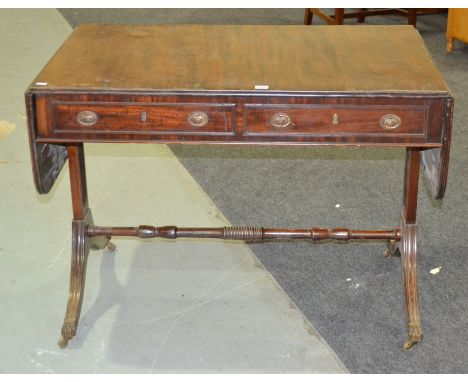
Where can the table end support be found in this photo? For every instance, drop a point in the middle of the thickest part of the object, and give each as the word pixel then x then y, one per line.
pixel 410 284
pixel 81 244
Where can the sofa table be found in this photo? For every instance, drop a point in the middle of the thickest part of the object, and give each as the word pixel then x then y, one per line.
pixel 249 85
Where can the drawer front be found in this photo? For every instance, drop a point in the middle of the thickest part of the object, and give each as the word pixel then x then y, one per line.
pixel 336 120
pixel 147 118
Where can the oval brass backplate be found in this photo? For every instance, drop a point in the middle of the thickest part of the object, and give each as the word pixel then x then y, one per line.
pixel 280 121
pixel 390 121
pixel 198 119
pixel 87 118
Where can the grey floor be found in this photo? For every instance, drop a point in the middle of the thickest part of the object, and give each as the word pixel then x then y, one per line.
pixel 350 294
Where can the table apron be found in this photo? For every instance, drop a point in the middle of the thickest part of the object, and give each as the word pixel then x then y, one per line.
pixel 375 121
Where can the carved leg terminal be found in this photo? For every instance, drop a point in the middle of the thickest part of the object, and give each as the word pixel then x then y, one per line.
pixel 450 44
pixel 393 248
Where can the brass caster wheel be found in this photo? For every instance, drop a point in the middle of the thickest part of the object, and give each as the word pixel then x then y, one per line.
pixel 63 342
pixel 411 342
pixel 68 332
pixel 111 247
pixel 392 249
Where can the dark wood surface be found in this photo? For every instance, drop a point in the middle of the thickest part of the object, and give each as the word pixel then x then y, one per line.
pixel 47 159
pixel 239 57
pixel 318 119
pixel 358 73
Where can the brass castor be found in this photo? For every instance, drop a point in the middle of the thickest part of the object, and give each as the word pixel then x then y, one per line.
pixel 392 249
pixel 110 247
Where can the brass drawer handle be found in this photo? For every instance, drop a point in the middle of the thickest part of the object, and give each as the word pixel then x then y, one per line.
pixel 390 121
pixel 87 118
pixel 280 121
pixel 198 119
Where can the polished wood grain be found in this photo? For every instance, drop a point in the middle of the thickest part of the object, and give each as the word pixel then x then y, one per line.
pixel 435 162
pixel 408 250
pixel 245 233
pixel 155 118
pixel 184 64
pixel 80 251
pixel 47 159
pixel 408 246
pixel 79 190
pixel 81 242
pixel 336 120
pixel 239 57
pixel 243 119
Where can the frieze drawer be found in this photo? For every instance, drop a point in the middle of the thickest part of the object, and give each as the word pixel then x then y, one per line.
pixel 152 118
pixel 335 119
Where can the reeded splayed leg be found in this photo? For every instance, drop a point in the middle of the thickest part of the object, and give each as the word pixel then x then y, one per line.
pixel 410 282
pixel 80 250
pixel 81 243
pixel 408 246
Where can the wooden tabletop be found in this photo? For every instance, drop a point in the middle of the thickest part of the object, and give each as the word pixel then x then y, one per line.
pixel 242 57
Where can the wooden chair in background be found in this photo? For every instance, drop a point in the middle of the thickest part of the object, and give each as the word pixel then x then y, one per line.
pixel 457 26
pixel 338 17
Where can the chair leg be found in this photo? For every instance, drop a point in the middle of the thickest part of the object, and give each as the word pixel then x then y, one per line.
pixel 450 44
pixel 362 15
pixel 339 16
pixel 412 14
pixel 308 16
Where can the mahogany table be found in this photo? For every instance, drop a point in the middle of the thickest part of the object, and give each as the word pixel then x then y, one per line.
pixel 254 85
